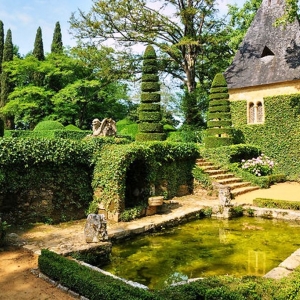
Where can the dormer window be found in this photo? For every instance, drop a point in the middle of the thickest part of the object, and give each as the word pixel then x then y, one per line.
pixel 267 55
pixel 267 52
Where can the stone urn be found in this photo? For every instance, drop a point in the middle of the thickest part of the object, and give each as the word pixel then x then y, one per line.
pixel 155 201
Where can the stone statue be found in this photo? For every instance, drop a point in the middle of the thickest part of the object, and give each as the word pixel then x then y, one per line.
pixel 96 127
pixel 95 228
pixel 105 128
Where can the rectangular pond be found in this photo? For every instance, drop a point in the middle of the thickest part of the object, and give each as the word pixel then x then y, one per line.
pixel 242 246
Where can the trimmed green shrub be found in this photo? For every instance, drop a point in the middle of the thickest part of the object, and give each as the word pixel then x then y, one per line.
pixel 72 127
pixel 221 124
pixel 213 142
pixel 222 89
pixel 150 77
pixel 272 203
pixel 150 86
pixel 217 119
pixel 150 136
pixel 218 109
pixel 215 96
pixel 49 125
pixel 150 127
pixel 150 98
pixel 87 282
pixel 218 115
pixel 149 111
pixel 150 116
pixel 149 107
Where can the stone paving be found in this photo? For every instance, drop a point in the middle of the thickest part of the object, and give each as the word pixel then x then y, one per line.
pixel 69 237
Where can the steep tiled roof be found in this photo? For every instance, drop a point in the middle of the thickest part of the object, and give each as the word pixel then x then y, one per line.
pixel 268 54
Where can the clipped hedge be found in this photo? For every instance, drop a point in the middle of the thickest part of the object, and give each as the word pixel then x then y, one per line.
pixel 51 134
pixel 49 125
pixel 220 96
pixel 222 123
pixel 153 116
pixel 213 142
pixel 95 285
pixel 150 127
pixel 150 86
pixel 150 77
pixel 111 181
pixel 149 107
pixel 272 203
pixel 87 282
pixel 150 97
pixel 46 180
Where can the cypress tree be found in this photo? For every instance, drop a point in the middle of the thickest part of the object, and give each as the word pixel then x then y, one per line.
pixel 8 50
pixel 219 124
pixel 6 86
pixel 38 50
pixel 57 45
pixel 1 44
pixel 150 116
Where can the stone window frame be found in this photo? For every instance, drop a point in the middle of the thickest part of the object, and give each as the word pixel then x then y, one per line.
pixel 255 112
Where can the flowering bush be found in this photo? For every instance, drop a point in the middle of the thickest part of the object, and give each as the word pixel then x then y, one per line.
pixel 259 166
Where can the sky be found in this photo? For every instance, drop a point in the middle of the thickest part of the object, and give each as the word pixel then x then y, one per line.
pixel 24 17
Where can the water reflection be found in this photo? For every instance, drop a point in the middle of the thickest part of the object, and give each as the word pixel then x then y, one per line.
pixel 245 246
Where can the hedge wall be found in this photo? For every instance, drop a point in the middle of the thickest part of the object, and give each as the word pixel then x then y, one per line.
pixel 46 180
pixel 138 166
pixel 279 136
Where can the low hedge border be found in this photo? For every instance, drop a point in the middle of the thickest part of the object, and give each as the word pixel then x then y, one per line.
pixel 95 285
pixel 273 203
pixel 87 282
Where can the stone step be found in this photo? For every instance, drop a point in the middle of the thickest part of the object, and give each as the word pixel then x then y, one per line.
pixel 243 190
pixel 239 185
pixel 207 168
pixel 222 176
pixel 202 163
pixel 215 172
pixel 227 181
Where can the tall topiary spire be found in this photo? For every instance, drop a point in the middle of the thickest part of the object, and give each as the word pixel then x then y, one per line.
pixel 57 44
pixel 219 132
pixel 38 50
pixel 150 127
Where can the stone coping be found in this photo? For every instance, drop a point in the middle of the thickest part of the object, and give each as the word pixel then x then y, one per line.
pixel 71 239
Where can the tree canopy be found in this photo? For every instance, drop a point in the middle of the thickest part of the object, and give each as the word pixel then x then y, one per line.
pixel 182 31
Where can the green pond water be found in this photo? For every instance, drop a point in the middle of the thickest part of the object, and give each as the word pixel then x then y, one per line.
pixel 243 246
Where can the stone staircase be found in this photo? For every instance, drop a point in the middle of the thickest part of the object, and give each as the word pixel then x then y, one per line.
pixel 237 185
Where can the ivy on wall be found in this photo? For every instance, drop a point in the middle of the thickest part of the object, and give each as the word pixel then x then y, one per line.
pixel 279 136
pixel 164 163
pixel 47 180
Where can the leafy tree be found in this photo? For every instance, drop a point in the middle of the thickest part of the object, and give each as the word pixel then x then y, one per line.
pixel 6 85
pixel 70 92
pixel 38 50
pixel 1 44
pixel 181 36
pixel 150 127
pixel 57 44
pixel 240 20
pixel 8 50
